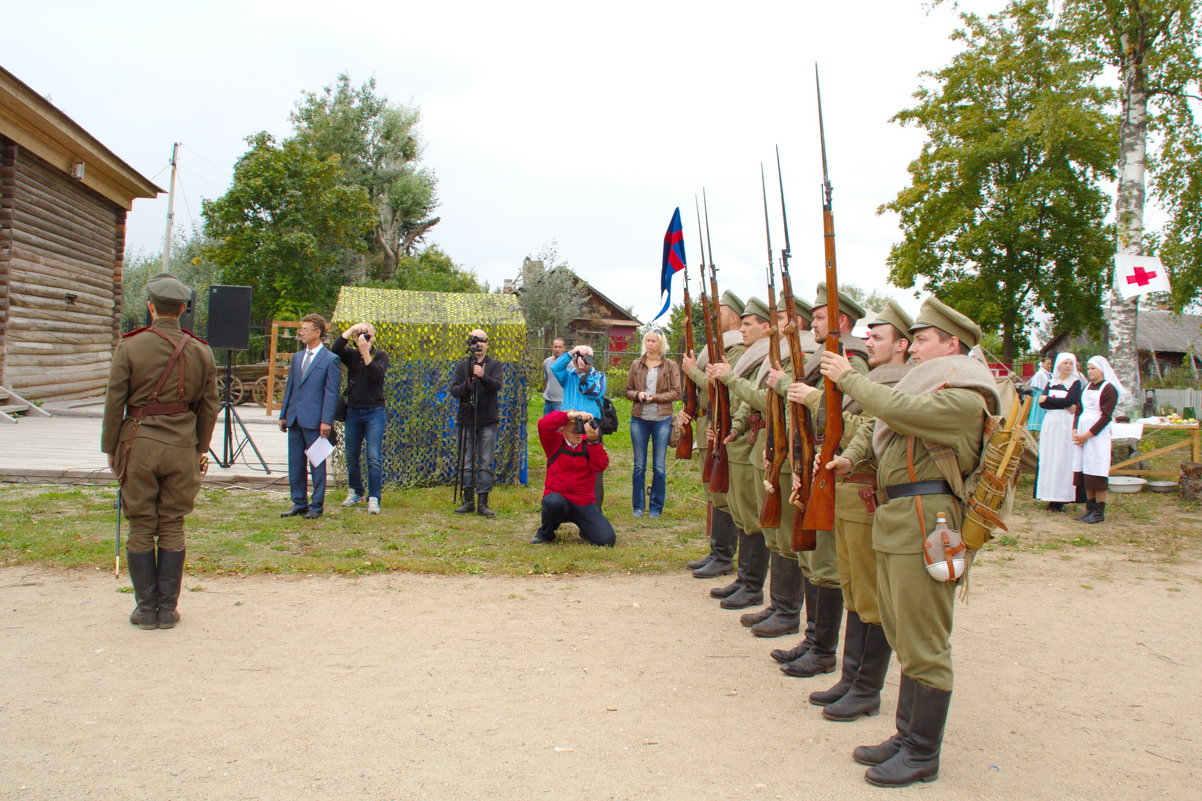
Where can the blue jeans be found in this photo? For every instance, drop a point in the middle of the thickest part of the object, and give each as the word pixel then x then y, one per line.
pixel 593 525
pixel 657 432
pixel 364 424
pixel 479 447
pixel 550 406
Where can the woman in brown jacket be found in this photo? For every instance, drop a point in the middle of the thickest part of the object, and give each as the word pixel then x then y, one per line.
pixel 653 384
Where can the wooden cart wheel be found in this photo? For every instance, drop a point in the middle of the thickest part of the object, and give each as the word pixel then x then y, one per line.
pixel 237 389
pixel 259 390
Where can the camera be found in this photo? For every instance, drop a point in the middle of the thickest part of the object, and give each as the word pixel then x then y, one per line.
pixel 473 343
pixel 587 358
pixel 580 424
pixel 366 336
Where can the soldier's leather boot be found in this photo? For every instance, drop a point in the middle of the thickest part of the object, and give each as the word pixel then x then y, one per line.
pixel 853 648
pixel 883 752
pixel 784 589
pixel 703 561
pixel 1099 513
pixel 1089 505
pixel 142 577
pixel 709 535
pixel 752 618
pixel 171 576
pixel 918 757
pixel 482 505
pixel 751 591
pixel 864 697
pixel 809 592
pixel 741 569
pixel 821 658
pixel 724 536
pixel 469 502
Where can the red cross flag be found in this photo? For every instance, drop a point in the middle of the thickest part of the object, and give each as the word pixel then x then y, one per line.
pixel 1139 275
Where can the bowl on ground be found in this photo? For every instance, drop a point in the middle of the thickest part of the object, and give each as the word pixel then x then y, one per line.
pixel 1162 486
pixel 1127 484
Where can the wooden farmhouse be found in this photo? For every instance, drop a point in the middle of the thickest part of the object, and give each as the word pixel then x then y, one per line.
pixel 63 201
pixel 1164 341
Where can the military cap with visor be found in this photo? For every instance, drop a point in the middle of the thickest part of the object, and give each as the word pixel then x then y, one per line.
pixel 893 314
pixel 165 288
pixel 758 308
pixel 937 314
pixel 732 300
pixel 846 305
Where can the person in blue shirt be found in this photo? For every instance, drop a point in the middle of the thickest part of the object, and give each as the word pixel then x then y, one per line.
pixel 583 388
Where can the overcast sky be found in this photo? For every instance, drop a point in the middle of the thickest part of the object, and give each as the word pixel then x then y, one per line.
pixel 583 124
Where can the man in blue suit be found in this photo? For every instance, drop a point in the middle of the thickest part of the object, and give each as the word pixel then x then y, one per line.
pixel 308 413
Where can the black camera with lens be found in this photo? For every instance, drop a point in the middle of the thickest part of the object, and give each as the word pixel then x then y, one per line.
pixel 587 358
pixel 473 343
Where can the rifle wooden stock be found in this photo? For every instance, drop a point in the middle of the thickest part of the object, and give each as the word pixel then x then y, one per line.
pixel 684 445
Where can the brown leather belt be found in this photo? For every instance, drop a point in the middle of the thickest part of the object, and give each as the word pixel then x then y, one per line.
pixel 860 478
pixel 151 409
pixel 756 422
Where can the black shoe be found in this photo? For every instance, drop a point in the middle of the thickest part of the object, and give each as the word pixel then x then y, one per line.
pixel 742 598
pixel 540 538
pixel 469 502
pixel 713 568
pixel 482 506
pixel 1098 515
pixel 1089 506
pixel 170 578
pixel 864 695
pixel 918 758
pixel 294 511
pixel 697 564
pixel 778 625
pixel 784 656
pixel 883 752
pixel 751 618
pixel 312 514
pixel 142 577
pixel 727 591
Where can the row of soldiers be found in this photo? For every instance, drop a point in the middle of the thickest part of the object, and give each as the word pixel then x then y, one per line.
pixel 911 393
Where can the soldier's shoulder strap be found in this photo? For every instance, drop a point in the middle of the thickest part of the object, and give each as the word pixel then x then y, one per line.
pixel 135 331
pixel 198 339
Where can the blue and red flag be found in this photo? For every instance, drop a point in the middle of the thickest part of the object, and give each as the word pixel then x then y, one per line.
pixel 674 260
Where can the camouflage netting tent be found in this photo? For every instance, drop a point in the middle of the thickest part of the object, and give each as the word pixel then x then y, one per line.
pixel 425 334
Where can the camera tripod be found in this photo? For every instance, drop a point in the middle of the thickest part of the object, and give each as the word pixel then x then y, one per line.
pixel 234 443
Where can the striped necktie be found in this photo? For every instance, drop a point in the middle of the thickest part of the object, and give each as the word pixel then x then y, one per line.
pixel 305 363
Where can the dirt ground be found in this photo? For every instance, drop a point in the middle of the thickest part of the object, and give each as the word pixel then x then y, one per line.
pixel 1077 678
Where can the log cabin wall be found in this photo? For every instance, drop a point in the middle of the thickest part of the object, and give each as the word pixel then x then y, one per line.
pixel 60 282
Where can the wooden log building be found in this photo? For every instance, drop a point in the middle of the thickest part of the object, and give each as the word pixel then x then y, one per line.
pixel 63 202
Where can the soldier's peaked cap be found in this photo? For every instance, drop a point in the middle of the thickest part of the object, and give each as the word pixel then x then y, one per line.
pixel 937 314
pixel 166 288
pixel 894 315
pixel 846 305
pixel 758 308
pixel 732 300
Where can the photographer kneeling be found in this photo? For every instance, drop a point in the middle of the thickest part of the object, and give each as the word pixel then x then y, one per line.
pixel 575 457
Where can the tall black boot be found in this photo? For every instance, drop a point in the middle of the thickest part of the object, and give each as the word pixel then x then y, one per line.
pixel 482 505
pixel 1089 505
pixel 918 758
pixel 743 557
pixel 709 535
pixel 809 592
pixel 876 754
pixel 784 589
pixel 1099 513
pixel 751 591
pixel 821 658
pixel 469 502
pixel 142 577
pixel 171 576
pixel 724 538
pixel 864 697
pixel 853 648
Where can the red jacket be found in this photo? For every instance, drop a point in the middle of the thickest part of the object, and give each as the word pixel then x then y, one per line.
pixel 573 473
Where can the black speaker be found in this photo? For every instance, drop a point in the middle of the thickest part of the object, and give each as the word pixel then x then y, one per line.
pixel 229 317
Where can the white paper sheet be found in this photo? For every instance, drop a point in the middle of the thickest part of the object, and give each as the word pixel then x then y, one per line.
pixel 319 451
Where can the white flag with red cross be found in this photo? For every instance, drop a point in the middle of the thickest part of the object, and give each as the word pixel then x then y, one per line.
pixel 1139 275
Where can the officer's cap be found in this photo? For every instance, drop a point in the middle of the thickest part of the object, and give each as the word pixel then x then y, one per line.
pixel 803 309
pixel 166 288
pixel 732 300
pixel 846 305
pixel 937 314
pixel 758 308
pixel 896 316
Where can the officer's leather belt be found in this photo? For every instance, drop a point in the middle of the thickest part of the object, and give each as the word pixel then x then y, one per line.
pixel 151 409
pixel 886 494
pixel 860 478
pixel 756 422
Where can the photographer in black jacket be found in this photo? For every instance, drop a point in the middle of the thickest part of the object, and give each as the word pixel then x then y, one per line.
pixel 365 413
pixel 475 381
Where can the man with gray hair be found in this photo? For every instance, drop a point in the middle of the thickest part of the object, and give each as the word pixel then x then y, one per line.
pixel 476 381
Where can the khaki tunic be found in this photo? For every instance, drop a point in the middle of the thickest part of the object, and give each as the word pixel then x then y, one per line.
pixel 161 466
pixel 746 490
pixel 733 344
pixel 916 611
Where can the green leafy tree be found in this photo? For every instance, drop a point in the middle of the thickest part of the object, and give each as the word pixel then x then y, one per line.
pixel 430 270
pixel 379 150
pixel 285 226
pixel 550 293
pixel 187 263
pixel 1004 214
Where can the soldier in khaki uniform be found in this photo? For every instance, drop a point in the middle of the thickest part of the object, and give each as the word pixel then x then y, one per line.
pixel 816 654
pixel 866 651
pixel 724 535
pixel 159 412
pixel 746 491
pixel 943 400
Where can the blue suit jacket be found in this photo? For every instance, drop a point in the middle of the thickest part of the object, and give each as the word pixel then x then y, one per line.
pixel 309 401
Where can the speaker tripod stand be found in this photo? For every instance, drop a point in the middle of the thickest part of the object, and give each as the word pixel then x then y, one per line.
pixel 234 442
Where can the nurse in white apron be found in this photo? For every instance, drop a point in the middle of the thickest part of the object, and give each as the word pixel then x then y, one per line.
pixel 1091 457
pixel 1061 402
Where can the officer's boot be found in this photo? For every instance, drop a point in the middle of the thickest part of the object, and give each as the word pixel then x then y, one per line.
pixel 821 658
pixel 918 758
pixel 809 592
pixel 853 649
pixel 785 591
pixel 142 577
pixel 1089 505
pixel 469 502
pixel 709 535
pixel 1099 513
pixel 742 563
pixel 171 576
pixel 724 537
pixel 864 697
pixel 482 505
pixel 751 592
pixel 876 754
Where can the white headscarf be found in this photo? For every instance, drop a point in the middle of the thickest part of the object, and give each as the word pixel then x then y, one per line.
pixel 1108 375
pixel 1075 375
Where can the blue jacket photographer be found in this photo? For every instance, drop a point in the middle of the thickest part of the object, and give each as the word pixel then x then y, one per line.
pixel 583 384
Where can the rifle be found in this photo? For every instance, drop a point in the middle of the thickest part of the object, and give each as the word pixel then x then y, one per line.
pixel 801 447
pixel 708 467
pixel 775 443
pixel 684 445
pixel 720 475
pixel 820 512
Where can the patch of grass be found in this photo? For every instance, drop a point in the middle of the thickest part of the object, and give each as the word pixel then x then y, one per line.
pixel 1082 541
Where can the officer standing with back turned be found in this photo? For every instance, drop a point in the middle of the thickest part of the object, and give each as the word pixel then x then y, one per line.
pixel 159 412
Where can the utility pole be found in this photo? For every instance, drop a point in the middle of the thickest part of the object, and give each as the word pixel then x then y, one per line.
pixel 170 210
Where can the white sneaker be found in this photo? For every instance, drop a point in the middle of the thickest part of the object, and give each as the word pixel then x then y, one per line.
pixel 352 498
pixel 373 506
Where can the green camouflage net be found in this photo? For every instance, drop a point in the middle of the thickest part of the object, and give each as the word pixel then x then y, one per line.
pixel 425 334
